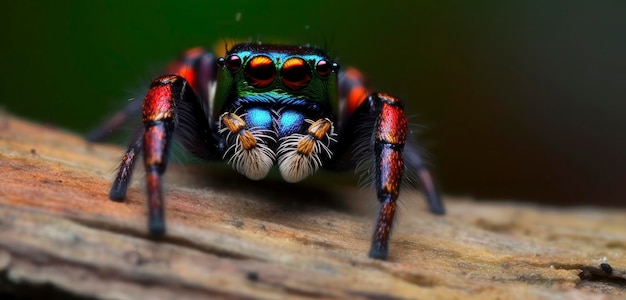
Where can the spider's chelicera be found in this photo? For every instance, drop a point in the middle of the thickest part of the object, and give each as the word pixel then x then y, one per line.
pixel 265 105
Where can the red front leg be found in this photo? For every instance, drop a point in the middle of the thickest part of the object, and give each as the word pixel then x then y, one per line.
pixel 374 125
pixel 389 138
pixel 174 107
pixel 169 97
pixel 158 118
pixel 355 94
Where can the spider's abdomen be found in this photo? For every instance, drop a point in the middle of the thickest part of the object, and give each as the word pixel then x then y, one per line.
pixel 257 137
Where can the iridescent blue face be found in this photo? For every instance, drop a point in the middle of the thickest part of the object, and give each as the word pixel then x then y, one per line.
pixel 288 121
pixel 278 105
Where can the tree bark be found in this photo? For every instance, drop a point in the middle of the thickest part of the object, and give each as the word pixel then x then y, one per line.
pixel 228 237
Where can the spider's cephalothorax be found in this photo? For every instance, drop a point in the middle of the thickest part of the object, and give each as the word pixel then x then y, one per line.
pixel 265 105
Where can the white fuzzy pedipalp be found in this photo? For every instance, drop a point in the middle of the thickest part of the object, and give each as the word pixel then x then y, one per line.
pixel 295 166
pixel 255 162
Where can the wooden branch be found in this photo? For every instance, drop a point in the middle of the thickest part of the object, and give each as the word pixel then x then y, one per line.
pixel 232 238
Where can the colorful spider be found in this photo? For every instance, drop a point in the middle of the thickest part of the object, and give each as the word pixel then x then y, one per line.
pixel 265 105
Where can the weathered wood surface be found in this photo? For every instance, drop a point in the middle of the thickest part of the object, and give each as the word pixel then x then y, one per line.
pixel 232 238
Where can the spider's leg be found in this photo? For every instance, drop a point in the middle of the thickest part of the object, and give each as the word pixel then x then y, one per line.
pixel 125 170
pixel 381 130
pixel 381 133
pixel 354 93
pixel 414 161
pixel 171 108
pixel 159 121
pixel 390 131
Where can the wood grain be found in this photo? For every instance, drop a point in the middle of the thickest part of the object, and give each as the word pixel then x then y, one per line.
pixel 229 237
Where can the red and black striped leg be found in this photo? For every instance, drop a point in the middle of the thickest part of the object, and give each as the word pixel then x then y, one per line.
pixel 159 108
pixel 353 89
pixel 390 134
pixel 169 97
pixel 181 101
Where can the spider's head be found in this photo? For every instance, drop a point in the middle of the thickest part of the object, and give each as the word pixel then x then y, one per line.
pixel 292 75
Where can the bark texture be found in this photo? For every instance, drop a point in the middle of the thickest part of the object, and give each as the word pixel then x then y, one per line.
pixel 229 237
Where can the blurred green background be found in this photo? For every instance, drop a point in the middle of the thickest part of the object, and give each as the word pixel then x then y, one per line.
pixel 519 100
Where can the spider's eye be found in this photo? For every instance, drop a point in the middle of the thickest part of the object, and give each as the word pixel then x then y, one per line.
pixel 233 63
pixel 323 68
pixel 260 71
pixel 295 73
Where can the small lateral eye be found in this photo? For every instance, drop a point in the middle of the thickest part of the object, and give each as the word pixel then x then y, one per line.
pixel 260 71
pixel 233 63
pixel 323 68
pixel 295 74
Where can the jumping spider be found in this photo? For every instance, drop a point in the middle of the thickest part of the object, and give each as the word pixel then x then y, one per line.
pixel 265 105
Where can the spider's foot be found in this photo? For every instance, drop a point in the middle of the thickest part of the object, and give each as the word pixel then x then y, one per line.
pixel 156 227
pixel 118 191
pixel 379 250
pixel 436 206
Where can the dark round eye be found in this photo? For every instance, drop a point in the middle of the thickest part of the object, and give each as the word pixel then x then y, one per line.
pixel 323 68
pixel 233 63
pixel 260 71
pixel 295 74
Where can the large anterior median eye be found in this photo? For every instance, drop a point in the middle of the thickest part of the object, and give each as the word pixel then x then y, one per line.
pixel 260 71
pixel 295 74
